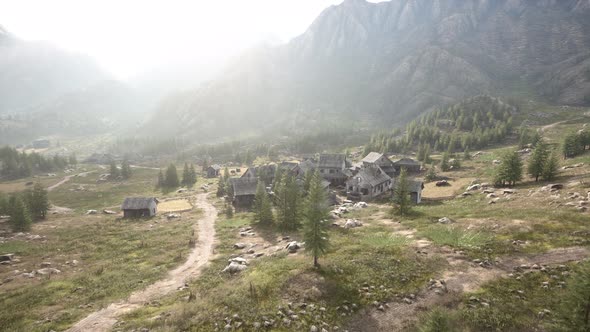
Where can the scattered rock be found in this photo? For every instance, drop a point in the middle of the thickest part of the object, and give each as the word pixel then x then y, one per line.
pixel 442 183
pixel 47 271
pixel 91 212
pixel 6 257
pixel 108 212
pixel 474 187
pixel 352 223
pixel 239 246
pixel 234 267
pixel 45 264
pixel 445 220
pixel 293 246
pixel 173 216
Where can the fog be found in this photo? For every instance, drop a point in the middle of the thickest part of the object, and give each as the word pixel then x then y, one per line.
pixel 132 38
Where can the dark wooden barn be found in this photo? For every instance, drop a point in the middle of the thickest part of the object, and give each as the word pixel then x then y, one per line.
pixel 138 207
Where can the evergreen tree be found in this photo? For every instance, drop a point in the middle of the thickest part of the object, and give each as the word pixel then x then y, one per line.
pixel 186 175
pixel 444 164
pixel 114 171
pixel 161 180
pixel 431 175
pixel 288 201
pixel 20 219
pixel 550 167
pixel 125 169
pixel 3 205
pixel 73 160
pixel 220 187
pixel 466 154
pixel 571 146
pixel 225 174
pixel 401 194
pixel 426 158
pixel 510 169
pixel 192 176
pixel 456 163
pixel 316 217
pixel 262 205
pixel 537 160
pixel 171 177
pixel 39 202
pixel 307 181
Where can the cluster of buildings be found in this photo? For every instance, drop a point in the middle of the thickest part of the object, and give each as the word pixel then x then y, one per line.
pixel 369 179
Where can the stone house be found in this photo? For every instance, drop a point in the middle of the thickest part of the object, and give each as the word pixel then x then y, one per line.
pixel 213 171
pixel 411 165
pixel 138 207
pixel 415 188
pixel 332 168
pixel 244 191
pixel 379 159
pixel 370 182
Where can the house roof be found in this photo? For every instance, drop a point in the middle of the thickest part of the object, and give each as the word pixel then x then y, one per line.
pixel 256 171
pixel 372 157
pixel 406 161
pixel 372 175
pixel 244 186
pixel 215 167
pixel 137 203
pixel 414 186
pixel 307 165
pixel 332 160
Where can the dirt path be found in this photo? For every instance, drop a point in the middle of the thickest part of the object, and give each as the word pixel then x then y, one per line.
pixel 66 179
pixel 104 319
pixel 461 276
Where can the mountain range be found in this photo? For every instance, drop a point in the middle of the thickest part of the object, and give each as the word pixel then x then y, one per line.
pixel 385 63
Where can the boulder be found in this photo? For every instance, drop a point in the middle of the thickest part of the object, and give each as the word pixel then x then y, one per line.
pixel 293 246
pixel 555 186
pixel 492 195
pixel 445 220
pixel 239 246
pixel 463 195
pixel 496 162
pixel 352 223
pixel 91 212
pixel 361 205
pixel 173 216
pixel 45 264
pixel 234 267
pixel 47 271
pixel 442 183
pixel 238 260
pixel 108 212
pixel 509 191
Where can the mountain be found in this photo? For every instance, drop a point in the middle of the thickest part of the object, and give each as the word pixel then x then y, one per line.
pixel 381 63
pixel 32 73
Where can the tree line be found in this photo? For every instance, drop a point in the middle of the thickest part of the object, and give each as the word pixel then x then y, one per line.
pixel 17 165
pixel 25 207
pixel 170 180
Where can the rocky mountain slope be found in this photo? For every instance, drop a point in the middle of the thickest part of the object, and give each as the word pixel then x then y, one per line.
pixel 390 61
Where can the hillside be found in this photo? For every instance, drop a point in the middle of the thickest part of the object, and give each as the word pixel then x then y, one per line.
pixel 381 63
pixel 36 72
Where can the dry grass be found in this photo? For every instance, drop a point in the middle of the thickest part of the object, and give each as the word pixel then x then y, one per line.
pixel 431 191
pixel 175 205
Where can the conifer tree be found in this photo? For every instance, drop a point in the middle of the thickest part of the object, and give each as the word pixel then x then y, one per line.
pixel 171 177
pixel 39 202
pixel 220 187
pixel 161 180
pixel 431 175
pixel 510 169
pixel 125 169
pixel 288 203
pixel 575 309
pixel 550 167
pixel 571 146
pixel 186 176
pixel 192 176
pixel 538 160
pixel 73 160
pixel 20 220
pixel 316 216
pixel 114 171
pixel 466 154
pixel 401 194
pixel 262 205
pixel 444 164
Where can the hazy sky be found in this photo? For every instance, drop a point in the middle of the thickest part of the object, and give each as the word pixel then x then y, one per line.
pixel 131 36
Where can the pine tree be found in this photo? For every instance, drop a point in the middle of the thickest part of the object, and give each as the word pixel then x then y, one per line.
pixel 171 177
pixel 401 194
pixel 307 181
pixel 20 219
pixel 316 216
pixel 466 154
pixel 220 187
pixel 444 164
pixel 125 169
pixel 456 163
pixel 550 167
pixel 538 160
pixel 288 204
pixel 73 160
pixel 161 181
pixel 571 146
pixel 114 171
pixel 510 169
pixel 186 176
pixel 192 176
pixel 39 202
pixel 426 158
pixel 262 205
pixel 431 175
pixel 225 174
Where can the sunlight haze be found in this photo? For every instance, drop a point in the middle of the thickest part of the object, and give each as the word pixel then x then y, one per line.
pixel 129 37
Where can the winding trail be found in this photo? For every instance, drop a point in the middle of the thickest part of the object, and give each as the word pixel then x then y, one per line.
pixel 66 179
pixel 460 277
pixel 104 319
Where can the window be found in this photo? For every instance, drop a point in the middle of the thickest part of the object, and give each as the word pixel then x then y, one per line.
pixel 321 171
pixel 332 171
